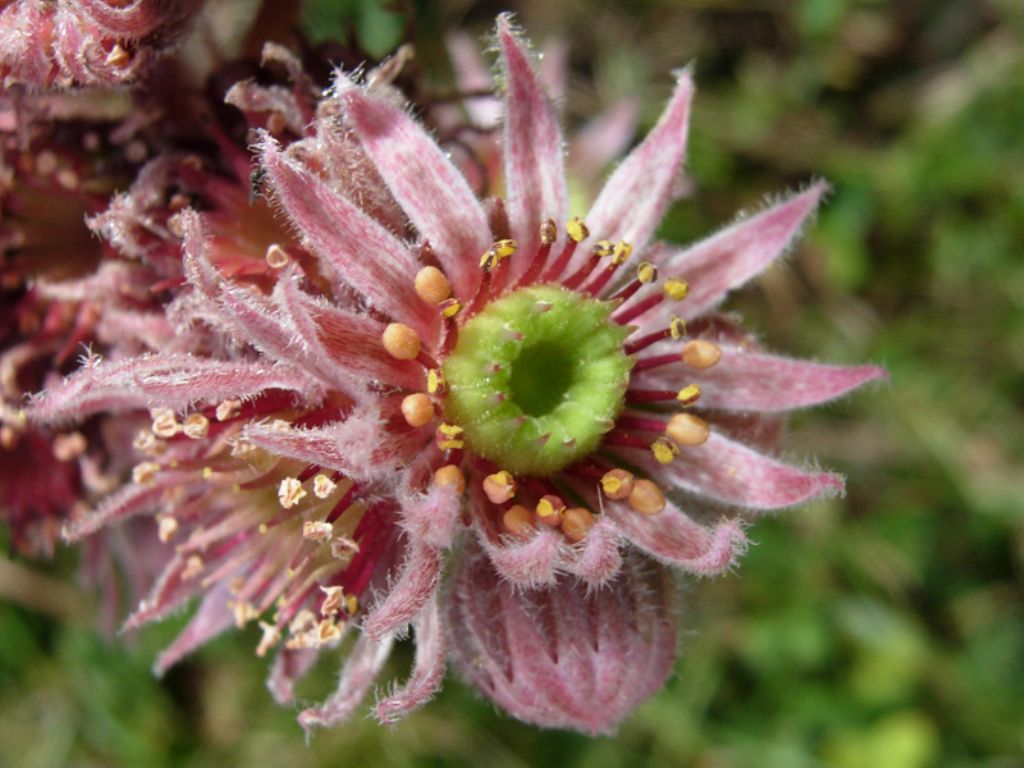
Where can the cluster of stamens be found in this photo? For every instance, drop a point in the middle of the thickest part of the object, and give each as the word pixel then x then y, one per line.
pixel 522 495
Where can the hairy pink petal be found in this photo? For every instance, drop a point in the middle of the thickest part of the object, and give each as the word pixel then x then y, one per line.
pixel 675 539
pixel 211 619
pixel 127 501
pixel 599 559
pixel 169 381
pixel 636 195
pixel 534 164
pixel 432 192
pixel 427 672
pixel 361 669
pixel 414 585
pixel 431 517
pixel 531 563
pixel 730 472
pixel 351 342
pixel 730 258
pixel 563 656
pixel 351 246
pixel 359 446
pixel 753 381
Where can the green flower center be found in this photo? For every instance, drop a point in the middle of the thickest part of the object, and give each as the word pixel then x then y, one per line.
pixel 537 378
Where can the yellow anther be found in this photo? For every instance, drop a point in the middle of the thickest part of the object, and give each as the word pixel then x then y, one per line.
pixel 327 632
pixel 118 57
pixel 489 260
pixel 166 527
pixel 165 424
pixel 435 381
pixel 504 248
pixel 145 472
pixel 688 394
pixel 646 272
pixel 604 248
pixel 290 492
pixel 244 613
pixel 343 548
pixel 646 498
pixel 687 429
pixel 577 230
pixel 271 637
pixel 450 430
pixel 207 473
pixel 664 450
pixel 617 484
pixel 676 288
pixel 193 567
pixel 499 487
pixel 317 530
pixel 450 474
pixel 576 522
pixel 701 354
pixel 401 341
pixel 432 286
pixel 417 409
pixel 677 327
pixel 351 605
pixel 323 486
pixel 332 600
pixel 621 252
pixel 450 307
pixel 548 232
pixel 196 426
pixel 68 447
pixel 277 257
pixel 549 510
pixel 228 409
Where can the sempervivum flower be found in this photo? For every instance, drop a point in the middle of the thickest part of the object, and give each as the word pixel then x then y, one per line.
pixel 429 369
pixel 60 43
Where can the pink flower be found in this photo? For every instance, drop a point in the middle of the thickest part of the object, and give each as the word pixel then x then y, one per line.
pixel 60 43
pixel 553 397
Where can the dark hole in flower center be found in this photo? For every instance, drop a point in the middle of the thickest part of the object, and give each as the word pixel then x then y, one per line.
pixel 541 376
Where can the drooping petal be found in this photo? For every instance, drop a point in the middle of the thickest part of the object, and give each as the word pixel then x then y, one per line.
pixel 730 258
pixel 432 192
pixel 530 563
pixel 563 656
pixel 600 557
pixel 431 517
pixel 352 246
pixel 290 665
pixel 753 381
pixel 427 671
pixel 675 539
pixel 361 669
pixel 413 587
pixel 635 197
pixel 535 184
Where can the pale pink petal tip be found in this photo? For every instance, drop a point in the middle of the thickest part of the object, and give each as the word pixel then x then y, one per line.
pixel 357 677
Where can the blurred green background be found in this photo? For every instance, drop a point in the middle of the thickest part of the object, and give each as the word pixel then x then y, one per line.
pixel 884 629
